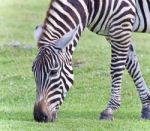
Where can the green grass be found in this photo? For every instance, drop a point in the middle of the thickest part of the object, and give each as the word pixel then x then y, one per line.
pixel 91 90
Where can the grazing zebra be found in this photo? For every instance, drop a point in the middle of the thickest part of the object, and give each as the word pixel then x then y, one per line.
pixel 58 38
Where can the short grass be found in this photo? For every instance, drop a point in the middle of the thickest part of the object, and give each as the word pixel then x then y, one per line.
pixel 91 90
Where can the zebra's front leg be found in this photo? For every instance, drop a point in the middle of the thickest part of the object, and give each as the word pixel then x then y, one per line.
pixel 119 57
pixel 133 68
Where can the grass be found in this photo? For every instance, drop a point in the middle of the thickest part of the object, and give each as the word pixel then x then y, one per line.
pixel 91 90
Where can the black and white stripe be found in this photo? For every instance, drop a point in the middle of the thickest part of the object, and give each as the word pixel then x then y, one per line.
pixel 142 23
pixel 64 22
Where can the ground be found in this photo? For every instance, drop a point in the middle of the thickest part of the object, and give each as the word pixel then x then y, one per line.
pixel 90 93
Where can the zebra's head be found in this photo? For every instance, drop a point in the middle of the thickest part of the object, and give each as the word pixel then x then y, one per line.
pixel 53 74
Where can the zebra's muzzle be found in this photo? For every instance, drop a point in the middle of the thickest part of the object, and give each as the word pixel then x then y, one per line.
pixel 42 114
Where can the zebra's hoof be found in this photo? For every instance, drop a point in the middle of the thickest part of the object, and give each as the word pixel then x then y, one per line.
pixel 106 115
pixel 146 112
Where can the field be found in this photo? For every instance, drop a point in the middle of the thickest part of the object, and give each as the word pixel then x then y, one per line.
pixel 91 90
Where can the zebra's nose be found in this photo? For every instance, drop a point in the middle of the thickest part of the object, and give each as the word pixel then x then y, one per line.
pixel 42 114
pixel 44 118
pixel 39 115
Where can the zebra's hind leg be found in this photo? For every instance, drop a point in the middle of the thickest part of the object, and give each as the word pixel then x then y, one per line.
pixel 133 68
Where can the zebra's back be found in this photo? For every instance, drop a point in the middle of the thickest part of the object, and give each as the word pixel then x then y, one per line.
pixel 103 11
pixel 142 22
pixel 107 14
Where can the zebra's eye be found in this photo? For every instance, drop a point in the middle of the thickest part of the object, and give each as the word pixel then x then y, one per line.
pixel 53 72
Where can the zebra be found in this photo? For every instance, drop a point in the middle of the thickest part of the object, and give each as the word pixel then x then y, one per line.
pixel 57 39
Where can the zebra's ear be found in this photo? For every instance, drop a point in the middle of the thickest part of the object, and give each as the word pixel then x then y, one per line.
pixel 37 32
pixel 65 40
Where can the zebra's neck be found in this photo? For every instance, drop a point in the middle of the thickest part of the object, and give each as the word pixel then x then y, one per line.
pixel 75 15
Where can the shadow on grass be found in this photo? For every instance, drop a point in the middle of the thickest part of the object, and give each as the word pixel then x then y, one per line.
pixel 27 116
pixel 72 115
pixel 17 116
pixel 91 115
pixel 63 116
pixel 127 115
pixel 94 115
